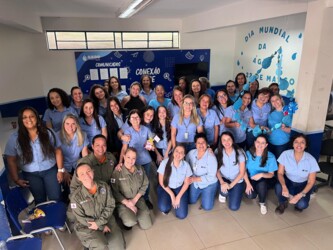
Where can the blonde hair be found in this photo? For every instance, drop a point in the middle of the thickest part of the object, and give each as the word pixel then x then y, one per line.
pixel 194 118
pixel 64 137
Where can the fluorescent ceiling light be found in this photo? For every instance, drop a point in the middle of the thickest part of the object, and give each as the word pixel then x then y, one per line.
pixel 134 7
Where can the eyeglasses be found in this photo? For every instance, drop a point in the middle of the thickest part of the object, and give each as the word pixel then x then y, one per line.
pixel 221 96
pixel 188 103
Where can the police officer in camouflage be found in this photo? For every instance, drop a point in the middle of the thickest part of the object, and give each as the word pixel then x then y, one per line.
pixel 92 205
pixel 128 186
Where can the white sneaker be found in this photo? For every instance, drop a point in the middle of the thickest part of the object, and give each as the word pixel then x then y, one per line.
pixel 263 209
pixel 222 199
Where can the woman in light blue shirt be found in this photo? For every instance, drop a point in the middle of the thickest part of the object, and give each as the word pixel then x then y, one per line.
pixel 209 120
pixel 160 100
pixel 99 96
pixel 231 163
pixel 296 175
pixel 185 124
pixel 147 88
pixel 204 166
pixel 260 165
pixel 91 123
pixel 174 179
pixel 115 89
pixel 59 106
pixel 221 103
pixel 176 101
pixel 36 151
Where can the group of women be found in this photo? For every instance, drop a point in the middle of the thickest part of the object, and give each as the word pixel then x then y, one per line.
pixel 198 140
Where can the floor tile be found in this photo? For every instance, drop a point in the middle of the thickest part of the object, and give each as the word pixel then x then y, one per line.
pixel 136 239
pixel 319 232
pixel 173 235
pixel 283 239
pixel 217 227
pixel 247 244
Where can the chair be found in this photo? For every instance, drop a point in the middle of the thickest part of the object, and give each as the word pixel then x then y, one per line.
pixel 55 215
pixel 24 242
pixel 326 166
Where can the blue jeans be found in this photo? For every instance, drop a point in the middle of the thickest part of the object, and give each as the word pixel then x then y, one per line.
pixel 44 184
pixel 234 195
pixel 207 195
pixel 293 188
pixel 164 202
pixel 147 168
pixel 259 189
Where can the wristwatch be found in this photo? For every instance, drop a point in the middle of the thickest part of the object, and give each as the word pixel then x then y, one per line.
pixel 61 170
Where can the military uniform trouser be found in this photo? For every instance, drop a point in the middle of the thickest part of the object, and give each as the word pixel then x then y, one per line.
pixel 129 218
pixel 97 240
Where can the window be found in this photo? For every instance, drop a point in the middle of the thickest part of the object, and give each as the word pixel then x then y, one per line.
pixel 90 40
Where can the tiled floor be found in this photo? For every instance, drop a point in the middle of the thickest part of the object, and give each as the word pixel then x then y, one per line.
pixel 225 229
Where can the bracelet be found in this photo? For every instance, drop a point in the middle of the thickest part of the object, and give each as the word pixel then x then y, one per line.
pixel 61 170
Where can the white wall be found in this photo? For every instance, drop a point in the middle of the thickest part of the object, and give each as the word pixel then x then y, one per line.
pixel 222 45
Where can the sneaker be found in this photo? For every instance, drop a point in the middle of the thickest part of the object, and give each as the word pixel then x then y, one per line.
pixel 222 198
pixel 280 208
pixel 165 213
pixel 263 209
pixel 149 205
pixel 62 229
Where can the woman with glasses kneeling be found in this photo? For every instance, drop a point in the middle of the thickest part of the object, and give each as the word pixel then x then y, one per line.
pixel 174 179
pixel 204 167
pixel 231 162
pixel 296 175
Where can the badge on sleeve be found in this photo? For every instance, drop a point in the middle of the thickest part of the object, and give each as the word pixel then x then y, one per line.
pixel 73 205
pixel 113 180
pixel 102 190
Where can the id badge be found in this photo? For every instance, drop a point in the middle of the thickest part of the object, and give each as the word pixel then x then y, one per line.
pixel 186 135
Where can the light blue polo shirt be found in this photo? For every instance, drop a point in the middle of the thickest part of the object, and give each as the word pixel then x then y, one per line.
pixel 178 175
pixel 138 141
pixel 277 136
pixel 220 111
pixel 163 143
pixel 239 133
pixel 155 104
pixel 71 151
pixel 173 109
pixel 119 120
pixel 230 169
pixel 77 109
pixel 120 95
pixel 101 110
pixel 92 130
pixel 234 97
pixel 39 162
pixel 56 117
pixel 260 115
pixel 298 172
pixel 148 97
pixel 209 122
pixel 191 129
pixel 253 165
pixel 205 168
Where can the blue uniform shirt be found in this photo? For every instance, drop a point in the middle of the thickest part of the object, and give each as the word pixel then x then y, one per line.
pixel 101 110
pixel 163 143
pixel 120 95
pixel 186 126
pixel 39 161
pixel 138 141
pixel 220 111
pixel 92 130
pixel 56 117
pixel 277 136
pixel 77 109
pixel 148 97
pixel 234 97
pixel 230 169
pixel 209 122
pixel 178 175
pixel 298 172
pixel 260 115
pixel 173 109
pixel 253 165
pixel 71 151
pixel 239 133
pixel 205 168
pixel 155 104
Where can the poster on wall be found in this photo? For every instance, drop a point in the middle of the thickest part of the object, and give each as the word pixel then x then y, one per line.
pixel 94 67
pixel 270 52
